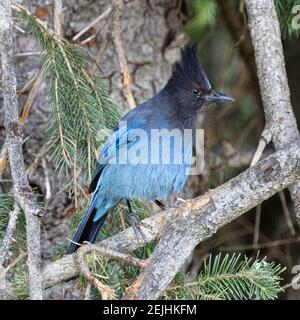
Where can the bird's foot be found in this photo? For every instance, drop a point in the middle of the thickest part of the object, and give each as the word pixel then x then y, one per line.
pixel 176 203
pixel 179 201
pixel 136 224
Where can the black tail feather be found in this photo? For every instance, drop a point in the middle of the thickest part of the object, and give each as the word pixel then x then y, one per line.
pixel 87 231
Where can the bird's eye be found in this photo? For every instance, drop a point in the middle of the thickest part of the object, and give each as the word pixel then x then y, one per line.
pixel 196 91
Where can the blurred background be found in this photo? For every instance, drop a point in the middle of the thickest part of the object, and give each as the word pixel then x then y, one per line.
pixel 153 32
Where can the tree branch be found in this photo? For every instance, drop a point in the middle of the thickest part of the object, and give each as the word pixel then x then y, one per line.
pixel 22 191
pixel 105 291
pixel 199 219
pixel 275 93
pixel 117 39
pixel 191 223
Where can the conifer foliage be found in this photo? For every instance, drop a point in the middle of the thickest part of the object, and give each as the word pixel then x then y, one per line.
pixel 81 107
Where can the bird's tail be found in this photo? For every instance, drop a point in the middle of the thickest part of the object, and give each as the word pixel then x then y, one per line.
pixel 88 229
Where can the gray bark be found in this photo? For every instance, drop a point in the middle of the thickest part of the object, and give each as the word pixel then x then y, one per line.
pixel 186 226
pixel 200 219
pixel 274 89
pixel 22 192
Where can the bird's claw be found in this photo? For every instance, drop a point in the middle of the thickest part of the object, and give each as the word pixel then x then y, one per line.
pixel 137 224
pixel 179 202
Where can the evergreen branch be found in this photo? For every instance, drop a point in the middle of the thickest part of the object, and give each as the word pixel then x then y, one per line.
pixel 11 226
pixel 6 205
pixel 285 15
pixel 231 277
pixel 80 103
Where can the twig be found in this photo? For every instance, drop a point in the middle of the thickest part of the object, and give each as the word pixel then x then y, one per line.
pixel 21 256
pixel 287 213
pixel 57 16
pixel 117 39
pixel 110 254
pixel 28 54
pixel 47 181
pixel 22 190
pixel 19 29
pixel 30 170
pixel 264 140
pixel 261 245
pixel 236 28
pixel 106 292
pixel 27 86
pixel 85 29
pixel 98 57
pixel 295 280
pixel 257 225
pixel 24 114
pixel 30 98
pixel 88 39
pixel 87 291
pixel 3 157
pixel 8 237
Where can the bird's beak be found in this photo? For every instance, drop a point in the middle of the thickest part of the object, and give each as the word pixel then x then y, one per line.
pixel 217 96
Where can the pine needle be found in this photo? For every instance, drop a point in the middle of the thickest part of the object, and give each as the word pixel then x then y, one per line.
pixel 286 15
pixel 81 107
pixel 231 278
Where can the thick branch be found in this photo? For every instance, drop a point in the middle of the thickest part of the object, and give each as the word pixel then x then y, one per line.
pixel 124 242
pixel 275 93
pixel 196 220
pixel 22 191
pixel 201 218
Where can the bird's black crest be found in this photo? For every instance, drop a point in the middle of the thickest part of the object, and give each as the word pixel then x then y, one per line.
pixel 188 73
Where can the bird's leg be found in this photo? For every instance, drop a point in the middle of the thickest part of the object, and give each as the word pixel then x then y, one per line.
pixel 136 222
pixel 177 203
pixel 161 205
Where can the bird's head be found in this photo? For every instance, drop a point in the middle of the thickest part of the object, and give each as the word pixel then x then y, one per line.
pixel 189 83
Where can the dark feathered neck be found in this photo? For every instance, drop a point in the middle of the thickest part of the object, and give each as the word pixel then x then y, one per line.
pixel 179 114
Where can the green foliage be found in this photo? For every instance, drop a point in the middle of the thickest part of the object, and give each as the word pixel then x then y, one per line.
pixel 204 16
pixel 6 205
pixel 81 107
pixel 116 276
pixel 285 15
pixel 231 278
pixel 111 273
pixel 16 257
pixel 19 280
pixel 19 241
pixel 115 222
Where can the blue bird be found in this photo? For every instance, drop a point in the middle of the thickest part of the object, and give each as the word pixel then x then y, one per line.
pixel 131 165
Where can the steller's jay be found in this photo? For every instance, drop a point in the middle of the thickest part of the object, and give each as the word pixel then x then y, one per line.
pixel 175 107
